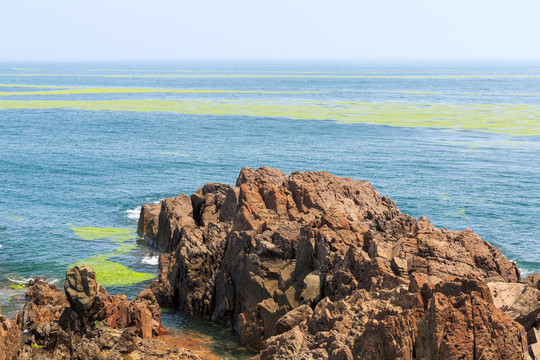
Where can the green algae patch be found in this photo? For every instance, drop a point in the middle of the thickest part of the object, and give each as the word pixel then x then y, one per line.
pixel 110 273
pixel 16 218
pixel 483 201
pixel 94 233
pixel 443 196
pixel 458 213
pixel 302 76
pixel 81 91
pixel 33 86
pixel 123 249
pixel 513 119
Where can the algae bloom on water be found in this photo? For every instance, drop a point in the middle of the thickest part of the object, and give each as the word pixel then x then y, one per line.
pixel 110 273
pixel 94 233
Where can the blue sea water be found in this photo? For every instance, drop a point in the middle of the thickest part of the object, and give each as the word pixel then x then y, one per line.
pixel 63 168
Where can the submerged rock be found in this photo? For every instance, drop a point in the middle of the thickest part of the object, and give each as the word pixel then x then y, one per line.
pixel 312 265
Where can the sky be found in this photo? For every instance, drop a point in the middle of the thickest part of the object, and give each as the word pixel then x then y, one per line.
pixel 171 30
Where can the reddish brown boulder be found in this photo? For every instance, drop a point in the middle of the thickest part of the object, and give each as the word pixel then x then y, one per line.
pixel 293 318
pixel 461 322
pixel 46 303
pixel 92 303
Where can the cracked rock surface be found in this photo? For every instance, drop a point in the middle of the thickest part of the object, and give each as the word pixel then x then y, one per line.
pixel 314 266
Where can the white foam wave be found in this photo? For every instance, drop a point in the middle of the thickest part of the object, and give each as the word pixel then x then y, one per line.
pixel 133 214
pixel 0 245
pixel 26 281
pixel 19 281
pixel 150 260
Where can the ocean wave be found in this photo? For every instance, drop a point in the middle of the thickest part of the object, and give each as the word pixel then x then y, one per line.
pixel 133 214
pixel 150 260
pixel 26 281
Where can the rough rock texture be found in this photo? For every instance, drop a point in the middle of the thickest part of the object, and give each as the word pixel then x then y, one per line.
pixel 46 303
pixel 454 319
pixel 519 301
pixel 533 280
pixel 88 323
pixel 10 338
pixel 378 284
pixel 533 337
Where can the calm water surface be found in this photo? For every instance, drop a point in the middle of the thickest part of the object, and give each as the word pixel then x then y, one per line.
pixel 67 173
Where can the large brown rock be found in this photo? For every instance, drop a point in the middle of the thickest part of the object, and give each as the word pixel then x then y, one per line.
pixel 461 322
pixel 81 288
pixel 247 256
pixel 46 303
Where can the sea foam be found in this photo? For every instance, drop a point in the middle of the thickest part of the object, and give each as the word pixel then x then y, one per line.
pixel 133 214
pixel 150 260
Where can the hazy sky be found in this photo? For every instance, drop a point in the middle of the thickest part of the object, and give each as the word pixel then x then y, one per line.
pixel 272 30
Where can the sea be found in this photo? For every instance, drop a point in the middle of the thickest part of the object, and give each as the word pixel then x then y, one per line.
pixel 84 145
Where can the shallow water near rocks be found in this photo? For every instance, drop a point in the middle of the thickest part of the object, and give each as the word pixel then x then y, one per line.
pixel 73 177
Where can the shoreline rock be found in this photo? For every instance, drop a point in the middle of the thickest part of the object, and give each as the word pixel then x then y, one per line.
pixel 312 265
pixel 85 322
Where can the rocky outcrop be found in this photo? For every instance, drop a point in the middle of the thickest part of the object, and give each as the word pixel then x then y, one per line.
pixel 312 265
pixel 88 323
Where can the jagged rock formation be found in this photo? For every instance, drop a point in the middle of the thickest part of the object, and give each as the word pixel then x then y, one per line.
pixel 317 266
pixel 88 323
